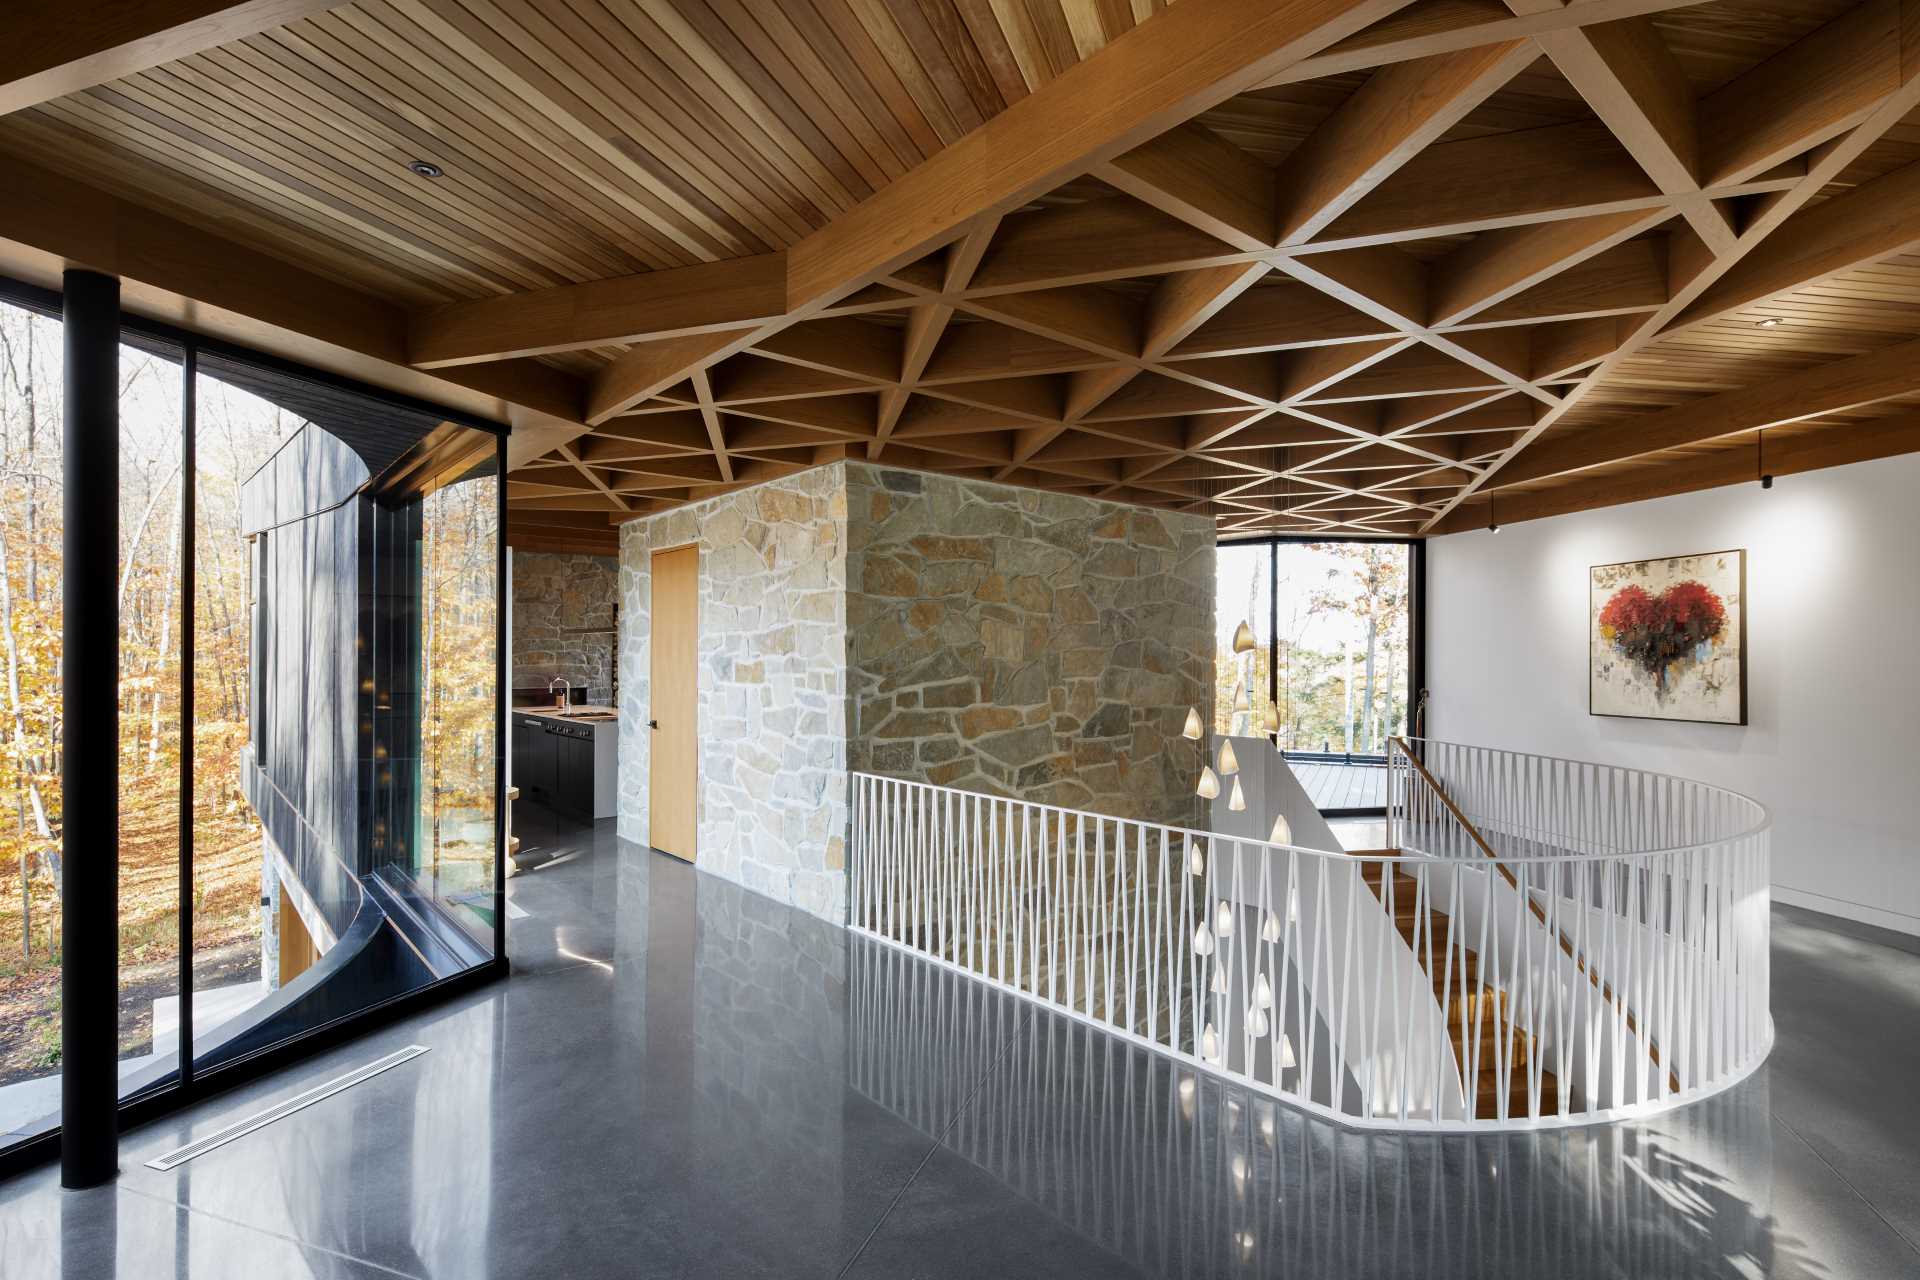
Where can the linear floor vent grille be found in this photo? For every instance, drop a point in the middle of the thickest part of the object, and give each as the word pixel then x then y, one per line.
pixel 279 1110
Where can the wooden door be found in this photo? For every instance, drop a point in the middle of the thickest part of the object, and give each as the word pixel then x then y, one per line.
pixel 673 754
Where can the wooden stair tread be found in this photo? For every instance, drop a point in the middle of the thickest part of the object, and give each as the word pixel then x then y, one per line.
pixel 1455 973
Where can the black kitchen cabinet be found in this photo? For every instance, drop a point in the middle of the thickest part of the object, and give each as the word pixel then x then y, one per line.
pixel 534 758
pixel 573 776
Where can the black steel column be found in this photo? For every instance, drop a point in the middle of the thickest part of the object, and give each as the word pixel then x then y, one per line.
pixel 189 475
pixel 90 726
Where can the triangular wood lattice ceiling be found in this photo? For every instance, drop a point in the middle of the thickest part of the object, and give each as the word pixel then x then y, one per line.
pixel 1375 268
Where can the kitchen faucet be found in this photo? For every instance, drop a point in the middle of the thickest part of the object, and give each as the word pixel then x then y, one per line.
pixel 560 700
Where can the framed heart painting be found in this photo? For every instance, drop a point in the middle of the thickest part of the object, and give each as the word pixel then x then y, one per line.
pixel 1668 638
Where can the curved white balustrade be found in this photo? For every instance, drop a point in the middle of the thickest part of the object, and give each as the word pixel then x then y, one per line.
pixel 1552 943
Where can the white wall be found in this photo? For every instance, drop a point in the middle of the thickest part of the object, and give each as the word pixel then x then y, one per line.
pixel 1832 744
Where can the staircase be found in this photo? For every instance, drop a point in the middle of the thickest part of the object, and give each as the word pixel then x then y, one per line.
pixel 1476 1016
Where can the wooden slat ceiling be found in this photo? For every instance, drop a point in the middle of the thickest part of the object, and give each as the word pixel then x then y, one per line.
pixel 1435 275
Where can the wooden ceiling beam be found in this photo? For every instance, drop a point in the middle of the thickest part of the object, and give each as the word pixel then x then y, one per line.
pixel 1500 264
pixel 51 48
pixel 1431 27
pixel 1151 79
pixel 1828 388
pixel 649 368
pixel 704 298
pixel 1807 93
pixel 927 324
pixel 1193 174
pixel 1631 79
pixel 1628 279
pixel 1388 120
pixel 1689 284
pixel 1872 221
pixel 1781 454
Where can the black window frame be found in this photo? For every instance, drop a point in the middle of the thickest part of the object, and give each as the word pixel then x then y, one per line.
pixel 186 1086
pixel 1417 649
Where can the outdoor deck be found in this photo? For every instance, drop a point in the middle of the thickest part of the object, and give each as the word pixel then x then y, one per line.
pixel 1342 786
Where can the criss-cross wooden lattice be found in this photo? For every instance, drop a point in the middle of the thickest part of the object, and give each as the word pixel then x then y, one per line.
pixel 1441 255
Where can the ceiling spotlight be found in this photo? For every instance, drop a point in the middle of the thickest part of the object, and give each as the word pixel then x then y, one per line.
pixel 1770 322
pixel 1493 528
pixel 1766 482
pixel 425 168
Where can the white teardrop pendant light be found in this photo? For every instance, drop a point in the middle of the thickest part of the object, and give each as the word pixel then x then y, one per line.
pixel 1210 1044
pixel 1203 941
pixel 1193 729
pixel 1239 799
pixel 1243 641
pixel 1196 856
pixel 1270 718
pixel 1257 1022
pixel 1223 919
pixel 1262 993
pixel 1209 784
pixel 1229 762
pixel 1240 702
pixel 1286 1054
pixel 1282 832
pixel 1220 979
pixel 1270 928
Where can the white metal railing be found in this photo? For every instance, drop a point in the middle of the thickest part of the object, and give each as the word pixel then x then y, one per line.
pixel 1433 988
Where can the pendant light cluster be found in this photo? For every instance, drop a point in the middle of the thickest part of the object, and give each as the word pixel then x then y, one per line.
pixel 1208 940
pixel 1208 788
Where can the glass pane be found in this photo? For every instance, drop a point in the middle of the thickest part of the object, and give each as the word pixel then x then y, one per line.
pixel 150 612
pixel 346 626
pixel 1345 635
pixel 233 965
pixel 1242 693
pixel 31 367
pixel 453 844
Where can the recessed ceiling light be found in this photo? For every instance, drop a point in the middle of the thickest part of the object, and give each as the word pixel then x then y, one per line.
pixel 1769 323
pixel 425 168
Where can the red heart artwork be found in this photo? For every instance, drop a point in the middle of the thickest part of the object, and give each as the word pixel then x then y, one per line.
pixel 1657 631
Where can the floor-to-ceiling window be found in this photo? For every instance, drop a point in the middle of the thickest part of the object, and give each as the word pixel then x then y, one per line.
pixel 275 874
pixel 152 554
pixel 1334 665
pixel 1343 644
pixel 30 520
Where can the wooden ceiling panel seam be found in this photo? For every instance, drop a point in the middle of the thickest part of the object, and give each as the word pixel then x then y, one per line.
pixel 472 29
pixel 341 188
pixel 80 111
pixel 471 175
pixel 318 53
pixel 684 145
pixel 602 120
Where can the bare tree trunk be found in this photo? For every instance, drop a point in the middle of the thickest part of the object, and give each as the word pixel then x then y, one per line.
pixel 139 533
pixel 1368 710
pixel 166 638
pixel 30 766
pixel 1346 657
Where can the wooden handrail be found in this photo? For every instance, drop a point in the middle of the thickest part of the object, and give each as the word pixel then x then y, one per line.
pixel 1539 913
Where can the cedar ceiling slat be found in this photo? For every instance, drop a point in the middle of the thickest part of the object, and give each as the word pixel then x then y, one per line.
pixel 590 139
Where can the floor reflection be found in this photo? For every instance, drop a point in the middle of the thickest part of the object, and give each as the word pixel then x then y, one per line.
pixel 686 1079
pixel 1180 1173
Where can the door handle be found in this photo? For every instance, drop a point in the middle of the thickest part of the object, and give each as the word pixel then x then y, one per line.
pixel 653 724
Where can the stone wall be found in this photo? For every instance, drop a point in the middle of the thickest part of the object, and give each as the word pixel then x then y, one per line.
pixel 1028 644
pixel 563 620
pixel 772 701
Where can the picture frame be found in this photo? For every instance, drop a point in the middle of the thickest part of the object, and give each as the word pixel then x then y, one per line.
pixel 1667 638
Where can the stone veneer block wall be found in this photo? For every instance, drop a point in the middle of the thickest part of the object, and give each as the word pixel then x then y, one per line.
pixel 563 620
pixel 772 701
pixel 1029 644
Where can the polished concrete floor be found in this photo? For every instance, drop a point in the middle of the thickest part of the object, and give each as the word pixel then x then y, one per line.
pixel 685 1079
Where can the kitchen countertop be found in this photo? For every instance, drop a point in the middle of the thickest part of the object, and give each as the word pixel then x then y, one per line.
pixel 585 711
